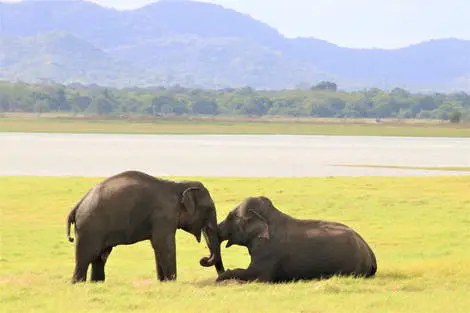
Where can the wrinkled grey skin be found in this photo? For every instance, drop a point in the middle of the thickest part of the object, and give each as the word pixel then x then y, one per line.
pixel 132 206
pixel 284 249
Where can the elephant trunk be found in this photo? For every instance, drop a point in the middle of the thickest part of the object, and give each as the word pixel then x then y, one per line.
pixel 212 239
pixel 222 231
pixel 224 234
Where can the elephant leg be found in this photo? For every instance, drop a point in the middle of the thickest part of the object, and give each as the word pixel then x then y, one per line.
pixel 260 270
pixel 159 272
pixel 83 257
pixel 248 274
pixel 164 248
pixel 97 266
pixel 80 271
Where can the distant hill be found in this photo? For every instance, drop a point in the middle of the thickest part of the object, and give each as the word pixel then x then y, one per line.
pixel 204 45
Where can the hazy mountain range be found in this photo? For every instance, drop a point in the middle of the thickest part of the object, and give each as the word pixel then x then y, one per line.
pixel 203 45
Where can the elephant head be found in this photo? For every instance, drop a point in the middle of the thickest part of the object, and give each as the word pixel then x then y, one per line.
pixel 247 222
pixel 198 214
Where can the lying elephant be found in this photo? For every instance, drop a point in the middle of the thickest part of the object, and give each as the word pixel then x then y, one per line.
pixel 132 206
pixel 283 248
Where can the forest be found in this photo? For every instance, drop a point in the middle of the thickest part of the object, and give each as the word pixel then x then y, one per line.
pixel 324 99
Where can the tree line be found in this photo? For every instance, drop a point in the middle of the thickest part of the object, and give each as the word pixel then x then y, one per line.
pixel 321 100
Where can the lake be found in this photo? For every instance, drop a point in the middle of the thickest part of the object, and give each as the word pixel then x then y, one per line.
pixel 42 154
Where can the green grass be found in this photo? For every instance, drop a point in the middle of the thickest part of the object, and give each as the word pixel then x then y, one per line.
pixel 418 227
pixel 427 168
pixel 232 126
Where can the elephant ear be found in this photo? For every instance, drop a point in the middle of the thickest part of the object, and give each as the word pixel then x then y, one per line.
pixel 189 200
pixel 260 226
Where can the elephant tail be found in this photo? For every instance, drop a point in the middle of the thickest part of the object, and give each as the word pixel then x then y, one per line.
pixel 71 217
pixel 70 221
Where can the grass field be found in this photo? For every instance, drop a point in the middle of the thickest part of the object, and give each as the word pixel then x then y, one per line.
pixel 222 125
pixel 418 227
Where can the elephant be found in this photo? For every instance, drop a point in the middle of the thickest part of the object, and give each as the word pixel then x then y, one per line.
pixel 283 248
pixel 133 206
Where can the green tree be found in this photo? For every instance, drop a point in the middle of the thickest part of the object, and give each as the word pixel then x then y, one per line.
pixel 80 103
pixel 399 93
pixel 5 103
pixel 325 85
pixel 61 101
pixel 100 105
pixel 325 101
pixel 204 105
pixel 455 117
pixel 255 106
pixel 41 106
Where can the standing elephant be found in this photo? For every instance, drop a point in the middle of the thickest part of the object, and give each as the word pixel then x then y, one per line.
pixel 283 248
pixel 132 206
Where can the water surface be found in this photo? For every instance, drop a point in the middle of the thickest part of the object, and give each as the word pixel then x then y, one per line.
pixel 42 154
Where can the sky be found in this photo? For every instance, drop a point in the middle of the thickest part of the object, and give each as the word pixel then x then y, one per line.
pixel 385 24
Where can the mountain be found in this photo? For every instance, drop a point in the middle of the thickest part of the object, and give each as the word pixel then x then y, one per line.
pixel 57 56
pixel 199 44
